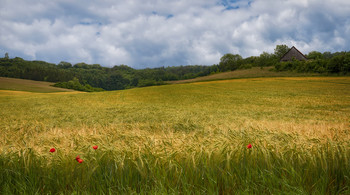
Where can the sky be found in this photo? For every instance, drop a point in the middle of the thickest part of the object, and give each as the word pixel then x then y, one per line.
pixel 156 33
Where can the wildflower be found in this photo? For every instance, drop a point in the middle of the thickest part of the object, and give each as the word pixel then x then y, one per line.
pixel 77 158
pixel 249 146
pixel 80 160
pixel 94 147
pixel 52 150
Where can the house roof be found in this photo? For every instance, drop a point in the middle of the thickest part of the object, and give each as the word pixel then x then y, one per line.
pixel 293 53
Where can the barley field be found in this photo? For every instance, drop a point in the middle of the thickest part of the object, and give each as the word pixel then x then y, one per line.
pixel 245 136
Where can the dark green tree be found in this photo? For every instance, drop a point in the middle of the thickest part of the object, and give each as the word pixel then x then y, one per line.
pixel 327 55
pixel 64 65
pixel 314 55
pixel 230 62
pixel 280 50
pixel 266 59
pixel 116 82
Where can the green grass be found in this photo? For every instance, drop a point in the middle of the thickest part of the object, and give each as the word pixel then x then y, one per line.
pixel 186 138
pixel 28 85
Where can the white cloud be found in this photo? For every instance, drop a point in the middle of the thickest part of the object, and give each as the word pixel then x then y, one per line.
pixel 153 33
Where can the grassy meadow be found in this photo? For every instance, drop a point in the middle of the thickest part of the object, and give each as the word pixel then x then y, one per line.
pixel 180 139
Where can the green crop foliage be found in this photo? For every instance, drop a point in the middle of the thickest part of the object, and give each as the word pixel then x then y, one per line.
pixel 180 139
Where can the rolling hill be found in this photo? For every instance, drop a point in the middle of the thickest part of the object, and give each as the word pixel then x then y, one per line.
pixel 284 135
pixel 14 84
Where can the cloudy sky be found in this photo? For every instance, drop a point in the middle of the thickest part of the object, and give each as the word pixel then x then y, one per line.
pixel 154 33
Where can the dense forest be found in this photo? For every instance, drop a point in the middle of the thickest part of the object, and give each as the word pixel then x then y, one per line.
pixel 94 77
pixel 87 77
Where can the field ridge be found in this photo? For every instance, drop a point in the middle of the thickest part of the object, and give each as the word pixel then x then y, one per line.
pixel 254 72
pixel 15 84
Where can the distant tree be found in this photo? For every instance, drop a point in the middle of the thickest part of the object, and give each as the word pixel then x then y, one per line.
pixel 7 56
pixel 334 65
pixel 116 81
pixel 339 63
pixel 96 66
pixel 327 55
pixel 315 55
pixel 81 65
pixel 64 65
pixel 230 62
pixel 280 50
pixel 346 63
pixel 76 85
pixel 266 59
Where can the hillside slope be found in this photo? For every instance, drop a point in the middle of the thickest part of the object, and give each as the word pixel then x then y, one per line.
pixel 188 138
pixel 246 73
pixel 29 85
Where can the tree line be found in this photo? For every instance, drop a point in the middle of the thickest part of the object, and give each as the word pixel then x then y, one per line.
pixel 94 77
pixel 324 63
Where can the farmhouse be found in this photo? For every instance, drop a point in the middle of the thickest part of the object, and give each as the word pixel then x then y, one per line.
pixel 293 53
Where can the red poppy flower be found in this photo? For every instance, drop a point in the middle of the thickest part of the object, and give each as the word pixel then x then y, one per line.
pixel 77 158
pixel 249 146
pixel 80 160
pixel 94 147
pixel 52 150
